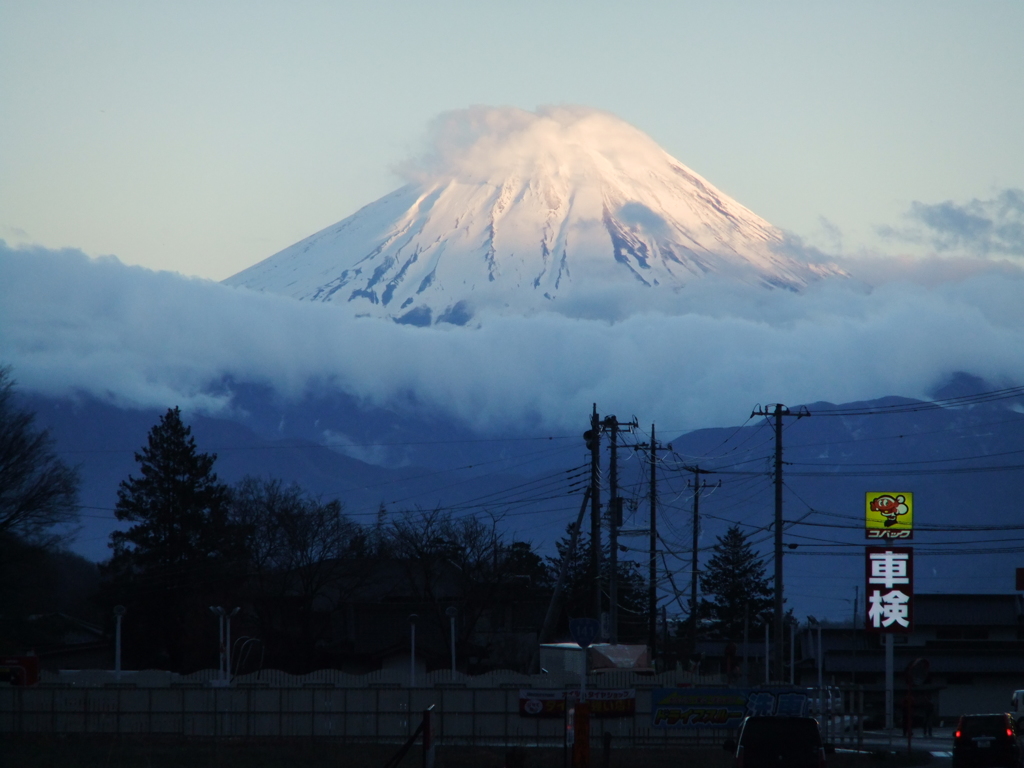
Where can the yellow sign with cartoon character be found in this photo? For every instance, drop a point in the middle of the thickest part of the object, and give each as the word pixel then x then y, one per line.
pixel 890 515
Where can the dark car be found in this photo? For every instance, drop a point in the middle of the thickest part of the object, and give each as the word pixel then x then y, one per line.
pixel 987 741
pixel 778 742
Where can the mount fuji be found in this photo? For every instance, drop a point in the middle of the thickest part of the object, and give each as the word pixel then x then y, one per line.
pixel 569 210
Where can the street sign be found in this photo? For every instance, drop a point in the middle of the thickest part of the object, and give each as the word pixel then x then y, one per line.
pixel 889 515
pixel 584 631
pixel 890 589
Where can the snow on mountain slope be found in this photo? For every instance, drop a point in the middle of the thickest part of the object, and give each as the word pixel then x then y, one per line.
pixel 568 210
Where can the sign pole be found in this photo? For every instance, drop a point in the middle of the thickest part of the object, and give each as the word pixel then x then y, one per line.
pixel 581 736
pixel 889 591
pixel 583 677
pixel 119 612
pixel 429 751
pixel 888 684
pixel 584 632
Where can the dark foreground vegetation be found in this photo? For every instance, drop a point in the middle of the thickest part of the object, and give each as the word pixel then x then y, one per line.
pixel 307 587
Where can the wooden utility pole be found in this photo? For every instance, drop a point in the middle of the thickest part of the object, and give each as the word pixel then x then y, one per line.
pixel 778 411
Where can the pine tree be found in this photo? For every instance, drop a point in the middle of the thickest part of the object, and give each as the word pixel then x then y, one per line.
pixel 734 581
pixel 177 556
pixel 577 595
pixel 577 598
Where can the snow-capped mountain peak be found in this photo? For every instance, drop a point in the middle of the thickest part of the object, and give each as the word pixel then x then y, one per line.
pixel 569 210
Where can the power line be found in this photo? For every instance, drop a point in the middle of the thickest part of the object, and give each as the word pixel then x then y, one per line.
pixel 919 405
pixel 298 443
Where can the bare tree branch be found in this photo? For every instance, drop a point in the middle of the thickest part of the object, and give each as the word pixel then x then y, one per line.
pixel 37 490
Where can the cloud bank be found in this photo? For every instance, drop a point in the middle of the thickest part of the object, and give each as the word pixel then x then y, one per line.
pixel 993 227
pixel 70 323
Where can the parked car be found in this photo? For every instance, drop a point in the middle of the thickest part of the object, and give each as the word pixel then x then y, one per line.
pixel 779 742
pixel 987 741
pixel 1017 707
pixel 825 701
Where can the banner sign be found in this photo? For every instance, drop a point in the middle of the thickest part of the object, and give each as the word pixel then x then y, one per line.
pixel 621 703
pixel 537 702
pixel 691 708
pixel 19 670
pixel 889 516
pixel 540 703
pixel 890 589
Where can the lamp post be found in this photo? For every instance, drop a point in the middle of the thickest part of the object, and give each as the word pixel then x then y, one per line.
pixel 412 649
pixel 767 676
pixel 451 612
pixel 821 664
pixel 219 612
pixel 119 612
pixel 821 701
pixel 792 653
pixel 227 646
pixel 224 624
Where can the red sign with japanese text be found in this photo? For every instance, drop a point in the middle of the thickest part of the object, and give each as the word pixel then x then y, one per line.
pixel 535 702
pixel 890 589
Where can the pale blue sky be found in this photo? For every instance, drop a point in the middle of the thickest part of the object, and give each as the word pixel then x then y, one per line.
pixel 202 137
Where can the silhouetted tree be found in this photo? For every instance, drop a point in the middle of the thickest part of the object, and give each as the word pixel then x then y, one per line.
pixel 467 562
pixel 734 582
pixel 303 555
pixel 37 490
pixel 578 595
pixel 179 556
pixel 38 496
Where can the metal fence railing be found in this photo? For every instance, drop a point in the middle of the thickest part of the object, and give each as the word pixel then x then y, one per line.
pixel 374 712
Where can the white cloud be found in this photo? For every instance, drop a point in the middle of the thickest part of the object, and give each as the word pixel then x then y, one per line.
pixel 482 143
pixel 69 322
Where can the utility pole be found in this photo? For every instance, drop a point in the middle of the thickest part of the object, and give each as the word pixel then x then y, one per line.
pixel 652 584
pixel 593 438
pixel 698 485
pixel 652 587
pixel 613 426
pixel 778 411
pixel 614 521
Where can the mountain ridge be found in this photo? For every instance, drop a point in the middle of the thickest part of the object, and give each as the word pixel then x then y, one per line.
pixel 546 214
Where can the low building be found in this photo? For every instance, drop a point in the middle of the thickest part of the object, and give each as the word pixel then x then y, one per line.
pixel 967 653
